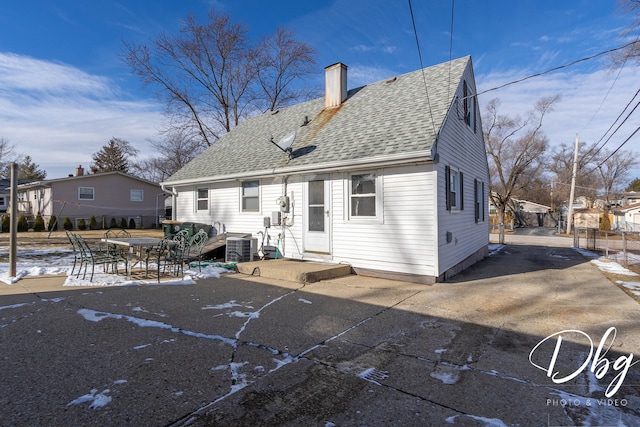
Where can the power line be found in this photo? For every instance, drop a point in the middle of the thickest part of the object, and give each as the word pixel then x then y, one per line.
pixel 618 149
pixel 451 42
pixel 424 78
pixel 612 125
pixel 557 68
pixel 626 58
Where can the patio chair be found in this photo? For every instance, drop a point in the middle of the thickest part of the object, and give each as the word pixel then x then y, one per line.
pixel 95 256
pixel 77 253
pixel 117 249
pixel 166 255
pixel 116 232
pixel 195 247
pixel 181 238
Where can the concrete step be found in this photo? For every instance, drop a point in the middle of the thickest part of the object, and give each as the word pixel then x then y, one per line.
pixel 294 270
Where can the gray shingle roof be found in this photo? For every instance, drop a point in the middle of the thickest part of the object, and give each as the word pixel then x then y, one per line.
pixel 391 118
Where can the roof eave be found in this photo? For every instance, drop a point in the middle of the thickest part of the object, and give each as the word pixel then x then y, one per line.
pixel 420 157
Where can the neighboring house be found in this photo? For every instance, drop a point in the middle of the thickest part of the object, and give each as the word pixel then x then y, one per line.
pixel 523 213
pixel 534 214
pixel 627 217
pixel 630 198
pixel 5 192
pixel 391 178
pixel 101 195
pixel 532 207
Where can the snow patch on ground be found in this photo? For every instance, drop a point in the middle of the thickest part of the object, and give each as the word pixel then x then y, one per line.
pixel 448 374
pixel 495 248
pixel 634 287
pixel 97 400
pixel 612 267
pixel 488 422
pixel 43 265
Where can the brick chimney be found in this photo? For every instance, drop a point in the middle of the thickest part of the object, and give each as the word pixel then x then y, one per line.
pixel 335 79
pixel 79 171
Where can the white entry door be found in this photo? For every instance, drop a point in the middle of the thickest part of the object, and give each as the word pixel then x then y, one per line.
pixel 317 214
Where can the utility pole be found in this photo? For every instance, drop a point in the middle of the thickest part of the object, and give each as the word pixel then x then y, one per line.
pixel 573 186
pixel 13 220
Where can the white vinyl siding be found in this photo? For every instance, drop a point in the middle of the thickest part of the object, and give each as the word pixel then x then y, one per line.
pixel 459 147
pixel 403 240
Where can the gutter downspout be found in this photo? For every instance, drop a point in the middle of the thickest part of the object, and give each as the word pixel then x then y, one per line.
pixel 284 227
pixel 174 195
pixel 174 203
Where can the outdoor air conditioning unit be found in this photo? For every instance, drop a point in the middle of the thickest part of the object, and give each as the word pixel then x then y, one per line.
pixel 240 249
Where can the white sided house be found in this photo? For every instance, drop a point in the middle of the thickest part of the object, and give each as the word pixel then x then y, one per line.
pixel 391 178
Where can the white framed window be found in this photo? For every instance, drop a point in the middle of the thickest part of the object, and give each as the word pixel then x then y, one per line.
pixel 202 199
pixel 363 195
pixel 479 198
pixel 86 193
pixel 454 187
pixel 250 196
pixel 136 195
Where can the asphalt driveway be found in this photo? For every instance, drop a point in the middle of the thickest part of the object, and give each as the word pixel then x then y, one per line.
pixel 247 351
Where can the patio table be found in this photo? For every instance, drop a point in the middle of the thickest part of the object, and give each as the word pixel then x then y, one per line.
pixel 134 244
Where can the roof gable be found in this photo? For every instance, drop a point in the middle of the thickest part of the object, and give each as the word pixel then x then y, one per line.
pixel 394 118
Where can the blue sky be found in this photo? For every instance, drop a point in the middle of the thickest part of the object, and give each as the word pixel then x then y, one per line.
pixel 64 91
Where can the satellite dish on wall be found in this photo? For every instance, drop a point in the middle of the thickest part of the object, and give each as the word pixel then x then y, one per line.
pixel 285 143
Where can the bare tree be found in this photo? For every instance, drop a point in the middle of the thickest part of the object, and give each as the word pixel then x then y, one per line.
pixel 561 166
pixel 632 50
pixel 280 62
pixel 7 155
pixel 201 73
pixel 209 73
pixel 515 147
pixel 176 148
pixel 613 169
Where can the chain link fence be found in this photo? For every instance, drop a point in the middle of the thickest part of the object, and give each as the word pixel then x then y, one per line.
pixel 620 246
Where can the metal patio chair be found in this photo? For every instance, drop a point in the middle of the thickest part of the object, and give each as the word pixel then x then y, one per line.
pixel 77 253
pixel 194 249
pixel 117 249
pixel 167 255
pixel 96 255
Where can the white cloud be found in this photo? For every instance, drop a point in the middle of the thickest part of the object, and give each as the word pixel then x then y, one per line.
pixel 60 115
pixel 590 103
pixel 360 75
pixel 21 73
pixel 362 48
